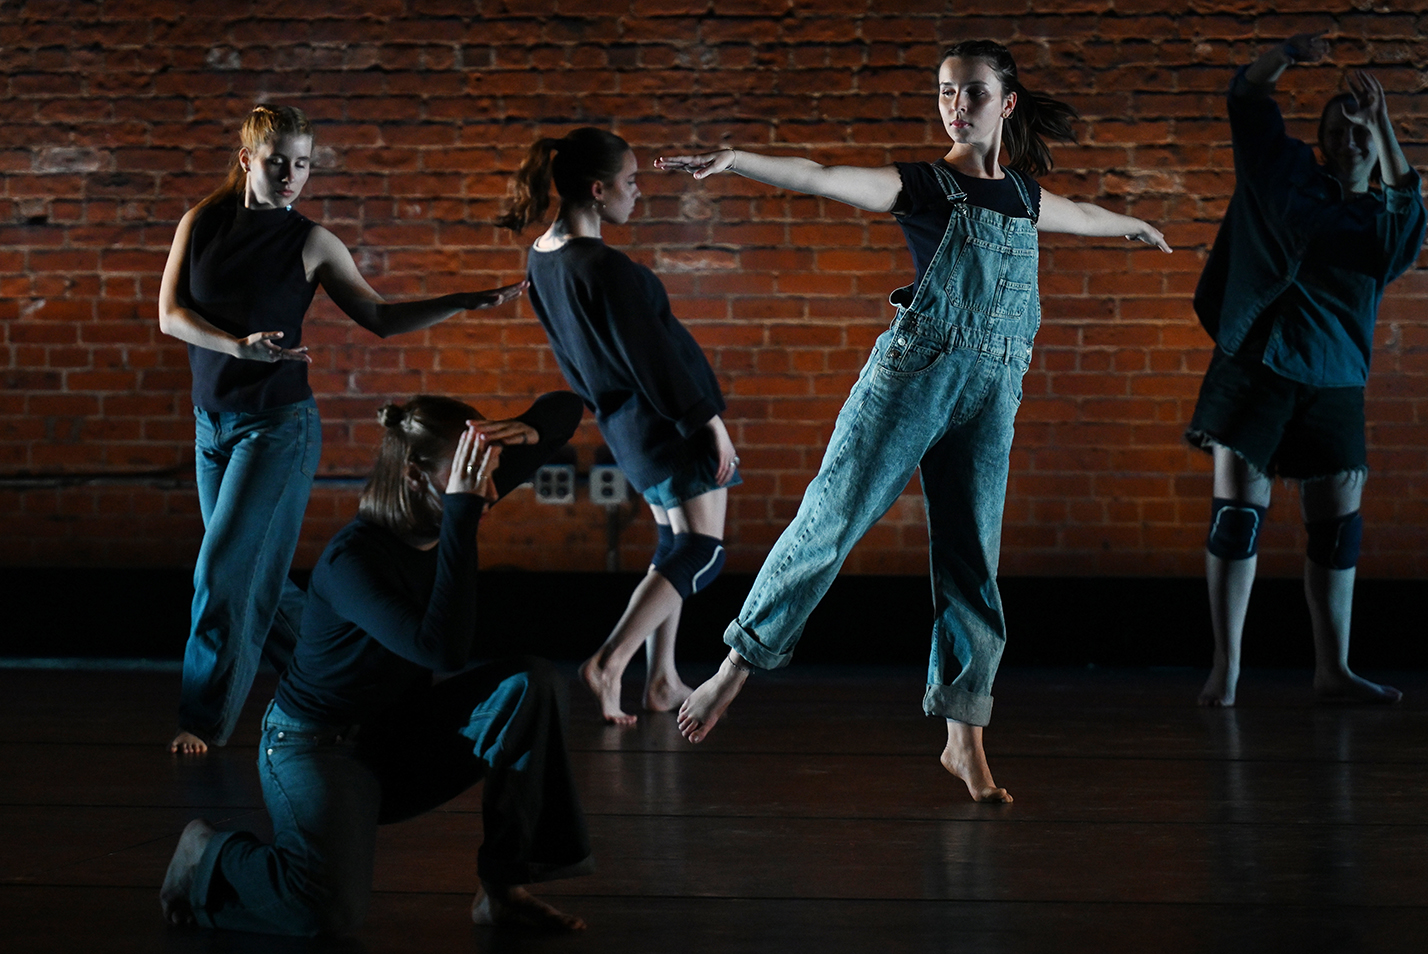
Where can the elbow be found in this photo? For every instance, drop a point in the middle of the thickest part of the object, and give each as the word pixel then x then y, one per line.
pixel 168 323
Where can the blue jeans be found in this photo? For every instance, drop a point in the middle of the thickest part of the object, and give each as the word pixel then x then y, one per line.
pixel 254 474
pixel 940 393
pixel 327 788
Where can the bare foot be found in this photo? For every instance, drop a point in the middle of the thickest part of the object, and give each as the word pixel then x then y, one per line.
pixel 706 705
pixel 606 687
pixel 173 896
pixel 1219 690
pixel 498 906
pixel 663 693
pixel 1345 687
pixel 964 758
pixel 186 743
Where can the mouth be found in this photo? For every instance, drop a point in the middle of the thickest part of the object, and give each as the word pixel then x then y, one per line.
pixel 959 124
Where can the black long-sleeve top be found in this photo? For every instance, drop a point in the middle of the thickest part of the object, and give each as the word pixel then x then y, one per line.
pixel 383 615
pixel 622 350
pixel 243 272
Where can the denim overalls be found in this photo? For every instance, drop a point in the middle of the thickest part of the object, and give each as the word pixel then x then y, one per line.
pixel 940 393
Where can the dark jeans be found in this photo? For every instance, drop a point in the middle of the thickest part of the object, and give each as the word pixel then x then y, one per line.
pixel 327 789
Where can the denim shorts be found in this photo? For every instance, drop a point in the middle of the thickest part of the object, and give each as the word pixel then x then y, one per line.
pixel 692 479
pixel 1280 427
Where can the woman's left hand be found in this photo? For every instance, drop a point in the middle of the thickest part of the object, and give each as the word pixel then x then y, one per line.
pixel 1370 104
pixel 724 447
pixel 1150 235
pixel 506 432
pixel 493 297
pixel 476 459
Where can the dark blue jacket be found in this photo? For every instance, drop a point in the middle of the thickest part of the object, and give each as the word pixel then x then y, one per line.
pixel 1292 239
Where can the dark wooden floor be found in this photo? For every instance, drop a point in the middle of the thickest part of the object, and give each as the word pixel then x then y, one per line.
pixel 815 820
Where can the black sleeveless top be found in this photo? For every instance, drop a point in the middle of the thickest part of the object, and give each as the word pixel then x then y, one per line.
pixel 244 273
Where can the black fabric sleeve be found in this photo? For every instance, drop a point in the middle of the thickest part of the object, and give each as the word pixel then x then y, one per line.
pixel 1257 130
pixel 914 194
pixel 555 416
pixel 641 326
pixel 436 636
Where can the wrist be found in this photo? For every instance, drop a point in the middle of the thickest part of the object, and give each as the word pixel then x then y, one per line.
pixel 733 159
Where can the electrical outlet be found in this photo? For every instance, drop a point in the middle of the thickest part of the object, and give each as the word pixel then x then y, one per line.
pixel 607 486
pixel 555 484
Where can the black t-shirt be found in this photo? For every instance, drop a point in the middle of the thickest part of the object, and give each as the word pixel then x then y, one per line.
pixel 244 273
pixel 923 211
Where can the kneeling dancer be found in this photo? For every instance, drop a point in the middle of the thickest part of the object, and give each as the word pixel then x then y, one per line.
pixel 358 735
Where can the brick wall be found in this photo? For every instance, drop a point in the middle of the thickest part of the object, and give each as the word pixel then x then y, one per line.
pixel 119 115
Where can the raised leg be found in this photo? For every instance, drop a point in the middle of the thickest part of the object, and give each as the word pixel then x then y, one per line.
pixel 965 758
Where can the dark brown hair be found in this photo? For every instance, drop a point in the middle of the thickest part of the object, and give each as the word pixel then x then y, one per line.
pixel 1036 116
pixel 420 432
pixel 264 124
pixel 582 157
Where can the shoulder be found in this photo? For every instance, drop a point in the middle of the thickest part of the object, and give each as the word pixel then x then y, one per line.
pixel 920 187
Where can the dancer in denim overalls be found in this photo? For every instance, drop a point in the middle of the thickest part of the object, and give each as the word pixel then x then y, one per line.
pixel 939 392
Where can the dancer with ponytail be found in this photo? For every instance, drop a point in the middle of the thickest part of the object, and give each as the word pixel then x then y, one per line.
pixel 938 394
pixel 654 395
pixel 240 275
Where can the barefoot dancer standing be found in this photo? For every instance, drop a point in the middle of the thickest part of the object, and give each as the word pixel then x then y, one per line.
pixel 241 273
pixel 358 735
pixel 655 397
pixel 1290 294
pixel 939 392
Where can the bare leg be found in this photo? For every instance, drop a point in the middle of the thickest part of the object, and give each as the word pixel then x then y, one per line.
pixel 664 690
pixel 1230 581
pixel 1330 594
pixel 514 906
pixel 173 896
pixel 653 607
pixel 186 743
pixel 706 705
pixel 965 758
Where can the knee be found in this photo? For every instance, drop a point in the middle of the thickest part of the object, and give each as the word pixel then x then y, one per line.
pixel 666 544
pixel 1334 543
pixel 1234 529
pixel 692 563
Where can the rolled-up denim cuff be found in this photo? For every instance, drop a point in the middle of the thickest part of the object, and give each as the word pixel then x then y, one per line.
pixel 202 884
pixel 756 654
pixel 953 703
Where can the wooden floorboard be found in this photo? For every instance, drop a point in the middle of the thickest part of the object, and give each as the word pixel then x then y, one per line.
pixel 815 819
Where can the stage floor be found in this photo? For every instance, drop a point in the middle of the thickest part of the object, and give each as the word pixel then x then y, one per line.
pixel 815 819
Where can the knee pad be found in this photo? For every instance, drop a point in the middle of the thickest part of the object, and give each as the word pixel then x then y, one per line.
pixel 1334 543
pixel 1234 529
pixel 665 545
pixel 693 562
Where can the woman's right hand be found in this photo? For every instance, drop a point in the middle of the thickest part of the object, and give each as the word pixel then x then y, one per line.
pixel 476 459
pixel 701 166
pixel 259 346
pixel 1306 47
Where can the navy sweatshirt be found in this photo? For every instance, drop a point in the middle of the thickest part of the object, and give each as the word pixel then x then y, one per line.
pixel 621 349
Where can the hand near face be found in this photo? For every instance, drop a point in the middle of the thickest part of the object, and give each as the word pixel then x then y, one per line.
pixel 1370 104
pixel 476 459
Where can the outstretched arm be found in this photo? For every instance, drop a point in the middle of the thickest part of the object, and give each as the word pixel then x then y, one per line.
pixel 329 261
pixel 1083 218
pixel 189 326
pixel 1299 48
pixel 874 189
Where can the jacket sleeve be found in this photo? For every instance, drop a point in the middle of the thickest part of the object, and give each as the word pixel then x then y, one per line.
pixel 1404 223
pixel 555 416
pixel 1262 147
pixel 436 636
pixel 643 333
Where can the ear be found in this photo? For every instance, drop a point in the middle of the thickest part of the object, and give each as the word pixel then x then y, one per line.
pixel 244 157
pixel 597 191
pixel 414 475
pixel 1010 106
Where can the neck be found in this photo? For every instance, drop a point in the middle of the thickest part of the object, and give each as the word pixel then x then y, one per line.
pixel 975 159
pixel 578 222
pixel 1353 182
pixel 251 201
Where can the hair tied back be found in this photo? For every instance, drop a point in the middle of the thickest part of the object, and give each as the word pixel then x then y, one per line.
pixel 392 415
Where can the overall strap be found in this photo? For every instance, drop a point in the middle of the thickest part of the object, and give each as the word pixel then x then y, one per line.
pixel 950 187
pixel 1023 190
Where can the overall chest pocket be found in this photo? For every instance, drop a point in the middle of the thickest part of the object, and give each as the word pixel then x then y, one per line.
pixel 991 278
